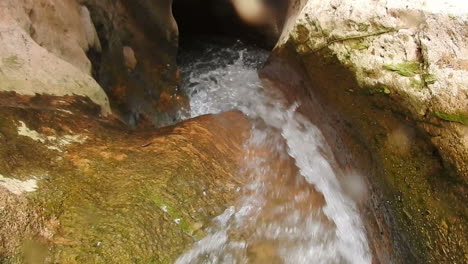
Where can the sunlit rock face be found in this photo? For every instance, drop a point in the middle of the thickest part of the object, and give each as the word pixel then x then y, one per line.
pixel 392 78
pixel 44 46
pixel 129 47
pixel 64 28
pixel 414 52
pixel 72 185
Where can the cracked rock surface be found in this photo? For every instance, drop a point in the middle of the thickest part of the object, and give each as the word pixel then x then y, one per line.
pixel 415 52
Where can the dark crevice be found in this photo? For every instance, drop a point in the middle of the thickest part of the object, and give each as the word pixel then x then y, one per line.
pixel 219 18
pixel 147 92
pixel 102 24
pixel 95 57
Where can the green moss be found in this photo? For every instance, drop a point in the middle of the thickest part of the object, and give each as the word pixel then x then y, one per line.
pixel 408 215
pixel 413 181
pixel 459 117
pixel 175 214
pixel 429 78
pixel 383 90
pixel 361 45
pixel 371 72
pixel 416 84
pixel 109 208
pixel 419 193
pixel 407 69
pixel 21 156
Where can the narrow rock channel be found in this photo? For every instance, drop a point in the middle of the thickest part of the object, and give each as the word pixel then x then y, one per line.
pixel 233 131
pixel 292 207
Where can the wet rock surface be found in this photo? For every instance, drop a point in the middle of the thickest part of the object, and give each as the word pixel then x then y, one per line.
pixel 384 81
pixel 103 194
pixel 371 71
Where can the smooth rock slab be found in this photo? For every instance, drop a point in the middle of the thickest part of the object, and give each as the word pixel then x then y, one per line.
pixel 119 196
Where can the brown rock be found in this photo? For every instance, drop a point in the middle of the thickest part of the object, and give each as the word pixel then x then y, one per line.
pixel 139 41
pixel 94 185
pixel 385 82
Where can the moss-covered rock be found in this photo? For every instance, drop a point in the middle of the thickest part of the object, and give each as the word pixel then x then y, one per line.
pixel 104 194
pixel 408 48
pixel 398 104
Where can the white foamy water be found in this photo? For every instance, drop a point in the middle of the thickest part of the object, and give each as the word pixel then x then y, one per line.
pixel 292 209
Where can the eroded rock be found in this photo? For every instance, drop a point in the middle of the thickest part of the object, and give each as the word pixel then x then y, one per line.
pixel 64 28
pixel 55 47
pixel 137 66
pixel 104 194
pixel 389 75
pixel 28 68
pixel 411 52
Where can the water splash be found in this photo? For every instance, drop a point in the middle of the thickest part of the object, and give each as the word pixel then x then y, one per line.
pixel 293 209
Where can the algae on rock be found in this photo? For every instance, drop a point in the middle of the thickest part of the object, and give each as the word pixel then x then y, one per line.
pixel 119 196
pixel 414 69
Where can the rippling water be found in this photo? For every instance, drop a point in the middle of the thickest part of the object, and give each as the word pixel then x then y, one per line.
pixel 292 208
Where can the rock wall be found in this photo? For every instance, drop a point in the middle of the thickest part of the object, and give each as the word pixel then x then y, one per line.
pixel 55 47
pixel 64 28
pixel 413 53
pixel 43 50
pixel 137 65
pixel 391 78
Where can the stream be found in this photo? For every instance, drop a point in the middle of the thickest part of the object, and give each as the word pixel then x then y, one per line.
pixel 292 206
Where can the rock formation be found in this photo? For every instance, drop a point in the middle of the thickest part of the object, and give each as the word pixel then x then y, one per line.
pixel 385 80
pixel 59 67
pixel 56 47
pixel 391 75
pixel 76 185
pixel 76 189
pixel 137 65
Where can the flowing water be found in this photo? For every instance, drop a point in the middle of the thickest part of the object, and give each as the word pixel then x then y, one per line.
pixel 292 208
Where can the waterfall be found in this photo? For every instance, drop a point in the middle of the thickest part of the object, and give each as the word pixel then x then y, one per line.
pixel 292 208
